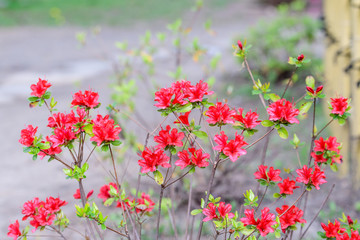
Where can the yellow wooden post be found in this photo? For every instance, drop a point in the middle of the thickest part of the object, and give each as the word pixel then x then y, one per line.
pixel 355 88
pixel 337 58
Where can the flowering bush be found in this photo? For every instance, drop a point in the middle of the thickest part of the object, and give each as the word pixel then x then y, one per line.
pixel 179 150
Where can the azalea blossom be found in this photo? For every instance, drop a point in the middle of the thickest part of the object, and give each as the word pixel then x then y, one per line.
pixel 339 105
pixel 224 209
pixel 311 177
pixel 333 229
pixel 14 230
pixel 105 130
pixel 77 194
pixel 289 217
pixel 28 136
pixel 87 99
pixel 152 158
pixel 196 158
pixel 271 175
pixel 287 186
pixel 263 224
pixel 105 191
pixel 39 89
pixel 283 111
pixel 184 119
pixel 169 138
pixel 249 121
pixel 210 212
pixel 220 114
pixel 233 149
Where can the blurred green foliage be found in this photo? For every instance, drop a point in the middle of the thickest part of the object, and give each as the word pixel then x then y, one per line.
pixel 277 39
pixel 90 12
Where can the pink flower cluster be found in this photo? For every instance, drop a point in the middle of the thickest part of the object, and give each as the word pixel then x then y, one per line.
pixel 217 211
pixel 39 89
pixel 196 158
pixel 233 148
pixel 283 111
pixel 104 130
pixel 289 217
pixel 311 177
pixel 142 204
pixel 181 92
pixel 325 150
pixel 263 224
pixel 41 213
pixel 339 105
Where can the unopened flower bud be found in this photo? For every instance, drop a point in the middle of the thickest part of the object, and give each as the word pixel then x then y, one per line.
pixel 300 57
pixel 240 44
pixel 310 90
pixel 319 89
pixel 350 221
pixel 231 231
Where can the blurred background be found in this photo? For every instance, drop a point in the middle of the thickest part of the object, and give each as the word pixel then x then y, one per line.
pixel 125 50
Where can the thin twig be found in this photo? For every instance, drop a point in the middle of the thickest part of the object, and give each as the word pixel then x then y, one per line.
pixel 253 80
pixel 267 133
pixel 317 214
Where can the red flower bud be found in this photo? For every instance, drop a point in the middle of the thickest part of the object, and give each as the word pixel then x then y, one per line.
pixel 319 89
pixel 350 221
pixel 310 90
pixel 300 57
pixel 240 44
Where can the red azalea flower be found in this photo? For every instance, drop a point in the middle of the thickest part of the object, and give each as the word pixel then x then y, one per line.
pixel 225 209
pixel 184 159
pixel 87 99
pixel 197 92
pixel 184 119
pixel 104 191
pixel 332 144
pixel 339 105
pixel 167 138
pixel 198 158
pixel 59 120
pixel 145 204
pixel 287 186
pixel 220 114
pixel 221 140
pixel 50 151
pixel 305 174
pixel 266 221
pixel 52 205
pixel 249 121
pixel 40 88
pixel 28 136
pixel 320 145
pixel 318 177
pixel 104 130
pixel 14 230
pixel 152 159
pixel 62 136
pixel 310 90
pixel 283 111
pixel 233 148
pixel 77 194
pixel 291 217
pixel 318 158
pixel 210 212
pixel 29 208
pixel 42 218
pixel 354 236
pixel 333 229
pixel 163 97
pixel 249 218
pixel 269 176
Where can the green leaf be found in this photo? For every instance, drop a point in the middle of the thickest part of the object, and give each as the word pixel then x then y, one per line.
pixel 267 123
pixel 334 167
pixel 341 121
pixel 116 143
pixel 109 201
pixel 104 147
pixel 283 133
pixel 273 97
pixel 33 99
pixel 276 195
pixel 88 128
pixel 159 179
pixel 186 108
pixel 304 108
pixel 196 212
pixel 85 167
pixel 310 82
pixel 52 103
pixel 192 170
pixel 113 191
pixel 47 95
pixel 200 134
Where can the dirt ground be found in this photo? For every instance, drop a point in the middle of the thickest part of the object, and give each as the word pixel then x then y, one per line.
pixel 28 53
